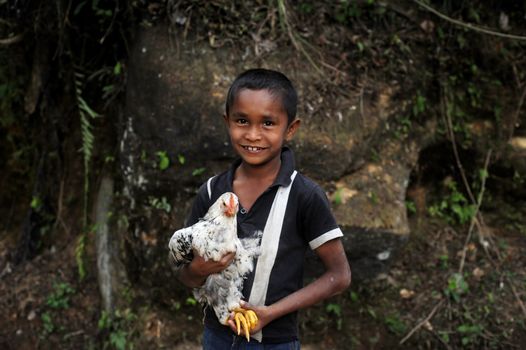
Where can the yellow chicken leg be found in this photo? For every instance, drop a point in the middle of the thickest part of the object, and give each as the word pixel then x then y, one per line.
pixel 246 319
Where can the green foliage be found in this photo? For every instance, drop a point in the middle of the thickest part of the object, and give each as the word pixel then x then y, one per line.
pixel 103 14
pixel 181 159
pixel 80 249
pixel 59 299
pixel 336 310
pixel 456 286
pixel 420 104
pixel 48 326
pixel 79 255
pixel 198 171
pixel 469 333
pixel 395 324
pixel 305 7
pixel 373 197
pixel 119 329
pixel 346 11
pixel 164 161
pixel 87 114
pixel 36 203
pixel 118 339
pixel 396 40
pixel 191 301
pixel 161 204
pixel 405 121
pixel 454 207
pixel 127 294
pixel 410 206
pixel 337 196
pixel 444 336
pixel 444 261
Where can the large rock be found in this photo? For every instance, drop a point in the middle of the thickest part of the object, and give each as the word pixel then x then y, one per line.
pixel 175 100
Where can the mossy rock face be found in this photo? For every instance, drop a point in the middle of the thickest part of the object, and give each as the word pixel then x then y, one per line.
pixel 174 107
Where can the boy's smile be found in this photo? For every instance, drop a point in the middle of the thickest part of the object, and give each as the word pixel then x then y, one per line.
pixel 258 127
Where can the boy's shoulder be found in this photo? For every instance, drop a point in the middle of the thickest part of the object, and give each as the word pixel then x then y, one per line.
pixel 308 186
pixel 216 185
pixel 307 181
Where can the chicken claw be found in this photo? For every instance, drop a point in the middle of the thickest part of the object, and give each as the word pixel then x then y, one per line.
pixel 247 319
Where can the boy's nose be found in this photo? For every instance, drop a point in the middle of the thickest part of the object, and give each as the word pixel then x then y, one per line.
pixel 253 134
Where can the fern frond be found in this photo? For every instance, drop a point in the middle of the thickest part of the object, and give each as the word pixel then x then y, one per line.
pixel 79 255
pixel 88 140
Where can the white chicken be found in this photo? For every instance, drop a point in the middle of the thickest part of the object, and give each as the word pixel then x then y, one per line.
pixel 212 237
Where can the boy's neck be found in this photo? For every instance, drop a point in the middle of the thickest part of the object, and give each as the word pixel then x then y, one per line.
pixel 264 173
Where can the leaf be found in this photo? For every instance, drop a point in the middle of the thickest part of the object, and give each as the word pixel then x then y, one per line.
pixel 164 161
pixel 483 174
pixel 198 171
pixel 118 339
pixel 181 159
pixel 334 308
pixel 36 203
pixel 117 69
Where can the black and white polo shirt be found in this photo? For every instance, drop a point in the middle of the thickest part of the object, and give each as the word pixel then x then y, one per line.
pixel 294 215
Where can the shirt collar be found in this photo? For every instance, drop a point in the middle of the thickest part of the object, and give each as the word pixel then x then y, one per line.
pixel 287 168
pixel 285 171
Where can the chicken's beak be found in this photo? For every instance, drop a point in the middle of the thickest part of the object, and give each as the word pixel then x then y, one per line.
pixel 231 208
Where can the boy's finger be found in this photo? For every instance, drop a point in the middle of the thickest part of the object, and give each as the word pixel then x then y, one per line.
pixel 232 326
pixel 227 258
pixel 245 305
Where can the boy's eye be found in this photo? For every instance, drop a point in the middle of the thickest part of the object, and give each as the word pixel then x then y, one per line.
pixel 268 123
pixel 241 121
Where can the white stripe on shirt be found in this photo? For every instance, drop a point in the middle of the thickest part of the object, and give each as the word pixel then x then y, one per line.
pixel 327 236
pixel 269 248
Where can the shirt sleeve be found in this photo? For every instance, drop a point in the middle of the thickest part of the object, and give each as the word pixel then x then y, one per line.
pixel 319 224
pixel 199 207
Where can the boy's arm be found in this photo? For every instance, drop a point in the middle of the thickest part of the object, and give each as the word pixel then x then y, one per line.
pixel 194 274
pixel 336 279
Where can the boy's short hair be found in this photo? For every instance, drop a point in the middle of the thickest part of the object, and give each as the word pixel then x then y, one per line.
pixel 265 79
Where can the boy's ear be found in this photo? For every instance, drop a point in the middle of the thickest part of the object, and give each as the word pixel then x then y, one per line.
pixel 292 128
pixel 225 118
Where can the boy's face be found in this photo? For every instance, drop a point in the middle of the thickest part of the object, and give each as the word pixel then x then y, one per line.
pixel 258 126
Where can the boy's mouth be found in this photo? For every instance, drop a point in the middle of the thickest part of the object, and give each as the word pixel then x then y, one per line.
pixel 253 149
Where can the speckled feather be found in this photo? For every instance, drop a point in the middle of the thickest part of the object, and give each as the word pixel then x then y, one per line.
pixel 212 237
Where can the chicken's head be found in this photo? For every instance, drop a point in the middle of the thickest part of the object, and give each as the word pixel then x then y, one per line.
pixel 229 203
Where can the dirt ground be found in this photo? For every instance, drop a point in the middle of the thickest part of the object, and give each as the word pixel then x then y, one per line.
pixel 422 302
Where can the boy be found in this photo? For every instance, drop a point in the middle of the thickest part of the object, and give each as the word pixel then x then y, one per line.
pixel 291 210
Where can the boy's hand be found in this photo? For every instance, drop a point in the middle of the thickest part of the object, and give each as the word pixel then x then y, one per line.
pixel 262 313
pixel 202 268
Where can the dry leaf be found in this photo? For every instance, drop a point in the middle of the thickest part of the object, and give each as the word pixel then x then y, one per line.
pixel 427 325
pixel 478 273
pixel 406 293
